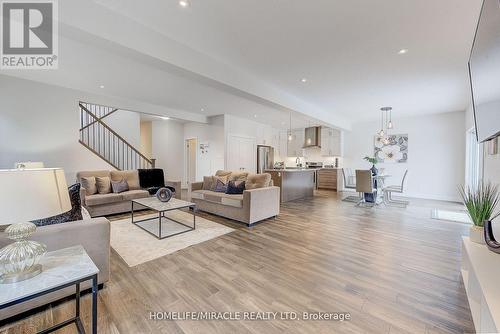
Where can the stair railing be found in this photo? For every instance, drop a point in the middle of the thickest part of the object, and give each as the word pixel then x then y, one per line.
pixel 103 141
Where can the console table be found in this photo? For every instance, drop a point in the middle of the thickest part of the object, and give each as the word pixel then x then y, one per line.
pixel 60 269
pixel 481 275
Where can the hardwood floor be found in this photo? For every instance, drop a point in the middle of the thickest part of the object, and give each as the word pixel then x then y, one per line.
pixel 394 270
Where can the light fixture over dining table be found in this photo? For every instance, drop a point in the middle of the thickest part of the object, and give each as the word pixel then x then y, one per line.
pixel 385 124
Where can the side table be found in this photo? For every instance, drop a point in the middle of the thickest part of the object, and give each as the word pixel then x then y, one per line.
pixel 60 269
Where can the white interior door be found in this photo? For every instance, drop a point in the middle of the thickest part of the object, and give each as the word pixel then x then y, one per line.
pixel 242 154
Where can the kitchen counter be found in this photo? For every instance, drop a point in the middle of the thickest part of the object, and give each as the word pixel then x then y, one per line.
pixel 294 183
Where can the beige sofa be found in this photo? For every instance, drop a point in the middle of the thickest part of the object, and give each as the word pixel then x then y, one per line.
pixel 252 206
pixel 93 234
pixel 111 203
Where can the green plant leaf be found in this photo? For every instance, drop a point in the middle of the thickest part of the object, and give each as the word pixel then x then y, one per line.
pixel 481 203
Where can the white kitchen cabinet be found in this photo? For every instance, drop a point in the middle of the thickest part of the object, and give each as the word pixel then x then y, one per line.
pixel 331 142
pixel 280 150
pixel 295 146
pixel 241 154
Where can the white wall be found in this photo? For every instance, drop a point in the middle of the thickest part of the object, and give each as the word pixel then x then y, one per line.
pixel 40 122
pixel 127 124
pixel 167 148
pixel 469 118
pixel 147 138
pixel 436 153
pixel 212 134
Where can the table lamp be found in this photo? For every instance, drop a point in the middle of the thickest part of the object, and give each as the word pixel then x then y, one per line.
pixel 25 195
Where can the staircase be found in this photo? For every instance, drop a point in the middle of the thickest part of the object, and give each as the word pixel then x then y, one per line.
pixel 103 141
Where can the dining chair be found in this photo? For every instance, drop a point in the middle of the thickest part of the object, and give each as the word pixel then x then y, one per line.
pixel 350 183
pixel 364 185
pixel 399 189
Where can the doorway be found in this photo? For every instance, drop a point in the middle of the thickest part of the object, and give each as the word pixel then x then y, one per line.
pixel 190 161
pixel 474 152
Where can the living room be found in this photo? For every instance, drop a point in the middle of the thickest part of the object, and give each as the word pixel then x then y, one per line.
pixel 233 166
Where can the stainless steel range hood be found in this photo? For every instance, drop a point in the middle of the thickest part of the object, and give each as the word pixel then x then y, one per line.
pixel 312 137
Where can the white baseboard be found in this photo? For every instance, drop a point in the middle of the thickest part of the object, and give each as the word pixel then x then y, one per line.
pixel 438 197
pixel 446 198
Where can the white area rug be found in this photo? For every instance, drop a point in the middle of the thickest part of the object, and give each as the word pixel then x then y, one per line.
pixel 136 246
pixel 454 216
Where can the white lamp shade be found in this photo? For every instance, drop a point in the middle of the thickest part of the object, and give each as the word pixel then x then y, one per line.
pixel 29 194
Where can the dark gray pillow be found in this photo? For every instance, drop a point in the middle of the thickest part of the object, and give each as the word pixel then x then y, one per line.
pixel 235 187
pixel 119 186
pixel 72 215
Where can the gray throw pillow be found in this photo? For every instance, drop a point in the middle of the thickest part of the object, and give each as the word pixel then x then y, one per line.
pixel 208 183
pixel 89 183
pixel 103 184
pixel 255 181
pixel 235 187
pixel 119 186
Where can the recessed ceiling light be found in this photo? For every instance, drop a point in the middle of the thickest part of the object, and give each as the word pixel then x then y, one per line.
pixel 255 115
pixel 403 51
pixel 303 80
pixel 184 3
pixel 101 86
pixel 202 109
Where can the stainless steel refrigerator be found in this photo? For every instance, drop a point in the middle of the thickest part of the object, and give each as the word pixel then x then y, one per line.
pixel 265 158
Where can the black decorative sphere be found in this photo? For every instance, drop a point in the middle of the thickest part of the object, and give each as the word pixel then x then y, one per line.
pixel 164 194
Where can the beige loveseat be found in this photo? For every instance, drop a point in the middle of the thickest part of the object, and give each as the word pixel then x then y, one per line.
pixel 254 205
pixel 111 203
pixel 93 234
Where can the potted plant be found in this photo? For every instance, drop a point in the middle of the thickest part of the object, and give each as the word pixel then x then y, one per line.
pixel 373 161
pixel 481 203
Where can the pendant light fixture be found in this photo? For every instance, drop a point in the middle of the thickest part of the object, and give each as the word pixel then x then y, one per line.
pixel 390 125
pixel 385 124
pixel 290 137
pixel 381 132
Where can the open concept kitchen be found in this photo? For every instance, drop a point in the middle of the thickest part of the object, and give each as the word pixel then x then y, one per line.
pixel 306 159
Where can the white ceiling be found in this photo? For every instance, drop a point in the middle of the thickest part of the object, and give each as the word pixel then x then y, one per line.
pixel 346 49
pixel 247 57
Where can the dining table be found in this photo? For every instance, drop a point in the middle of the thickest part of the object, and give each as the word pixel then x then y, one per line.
pixel 379 180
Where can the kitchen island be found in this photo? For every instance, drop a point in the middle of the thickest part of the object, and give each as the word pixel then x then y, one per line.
pixel 295 183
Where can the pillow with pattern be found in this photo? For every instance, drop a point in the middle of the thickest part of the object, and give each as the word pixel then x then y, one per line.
pixel 220 185
pixel 235 187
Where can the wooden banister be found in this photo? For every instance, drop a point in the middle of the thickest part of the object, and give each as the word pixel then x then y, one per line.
pixel 100 118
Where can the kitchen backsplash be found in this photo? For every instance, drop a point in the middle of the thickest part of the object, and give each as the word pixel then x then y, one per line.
pixel 312 154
